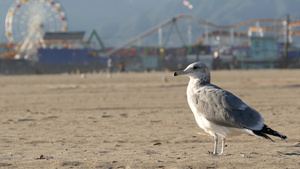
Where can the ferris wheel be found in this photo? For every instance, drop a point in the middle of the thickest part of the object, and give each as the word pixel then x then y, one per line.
pixel 28 20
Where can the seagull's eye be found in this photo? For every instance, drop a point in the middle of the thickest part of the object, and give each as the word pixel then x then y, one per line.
pixel 197 67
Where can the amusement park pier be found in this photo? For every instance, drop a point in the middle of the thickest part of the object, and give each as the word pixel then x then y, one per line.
pixel 39 41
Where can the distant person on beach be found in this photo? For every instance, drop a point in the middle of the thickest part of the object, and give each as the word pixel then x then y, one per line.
pixel 109 67
pixel 122 66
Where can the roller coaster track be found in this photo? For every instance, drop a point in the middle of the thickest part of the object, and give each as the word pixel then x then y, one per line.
pixel 293 23
pixel 110 53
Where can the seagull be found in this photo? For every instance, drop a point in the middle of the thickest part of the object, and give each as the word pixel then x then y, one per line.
pixel 219 112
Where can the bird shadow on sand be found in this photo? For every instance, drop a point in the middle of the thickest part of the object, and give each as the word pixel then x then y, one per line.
pixel 293 86
pixel 290 154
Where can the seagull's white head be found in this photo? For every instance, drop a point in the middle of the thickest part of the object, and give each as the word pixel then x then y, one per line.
pixel 197 71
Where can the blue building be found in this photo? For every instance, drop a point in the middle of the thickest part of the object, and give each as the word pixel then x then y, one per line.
pixel 263 52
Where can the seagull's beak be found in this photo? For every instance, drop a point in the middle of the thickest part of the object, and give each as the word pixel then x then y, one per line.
pixel 181 72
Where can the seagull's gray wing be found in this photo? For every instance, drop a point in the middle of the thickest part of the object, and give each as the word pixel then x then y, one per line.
pixel 223 108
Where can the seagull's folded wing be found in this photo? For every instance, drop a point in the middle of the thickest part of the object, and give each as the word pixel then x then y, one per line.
pixel 223 108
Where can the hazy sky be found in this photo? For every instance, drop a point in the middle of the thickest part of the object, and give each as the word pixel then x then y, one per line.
pixel 85 15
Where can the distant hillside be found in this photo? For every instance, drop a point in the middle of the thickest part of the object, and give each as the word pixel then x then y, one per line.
pixel 118 21
pixel 217 11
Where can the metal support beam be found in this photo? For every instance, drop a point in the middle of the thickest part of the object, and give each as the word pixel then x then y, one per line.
pixel 160 36
pixel 287 41
pixel 189 32
pixel 231 36
pixel 206 41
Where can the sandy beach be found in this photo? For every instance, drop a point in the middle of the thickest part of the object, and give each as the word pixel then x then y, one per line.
pixel 140 120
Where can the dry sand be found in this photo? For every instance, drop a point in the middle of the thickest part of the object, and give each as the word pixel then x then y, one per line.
pixel 137 120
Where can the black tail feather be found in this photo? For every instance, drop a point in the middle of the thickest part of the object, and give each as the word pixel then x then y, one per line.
pixel 266 130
